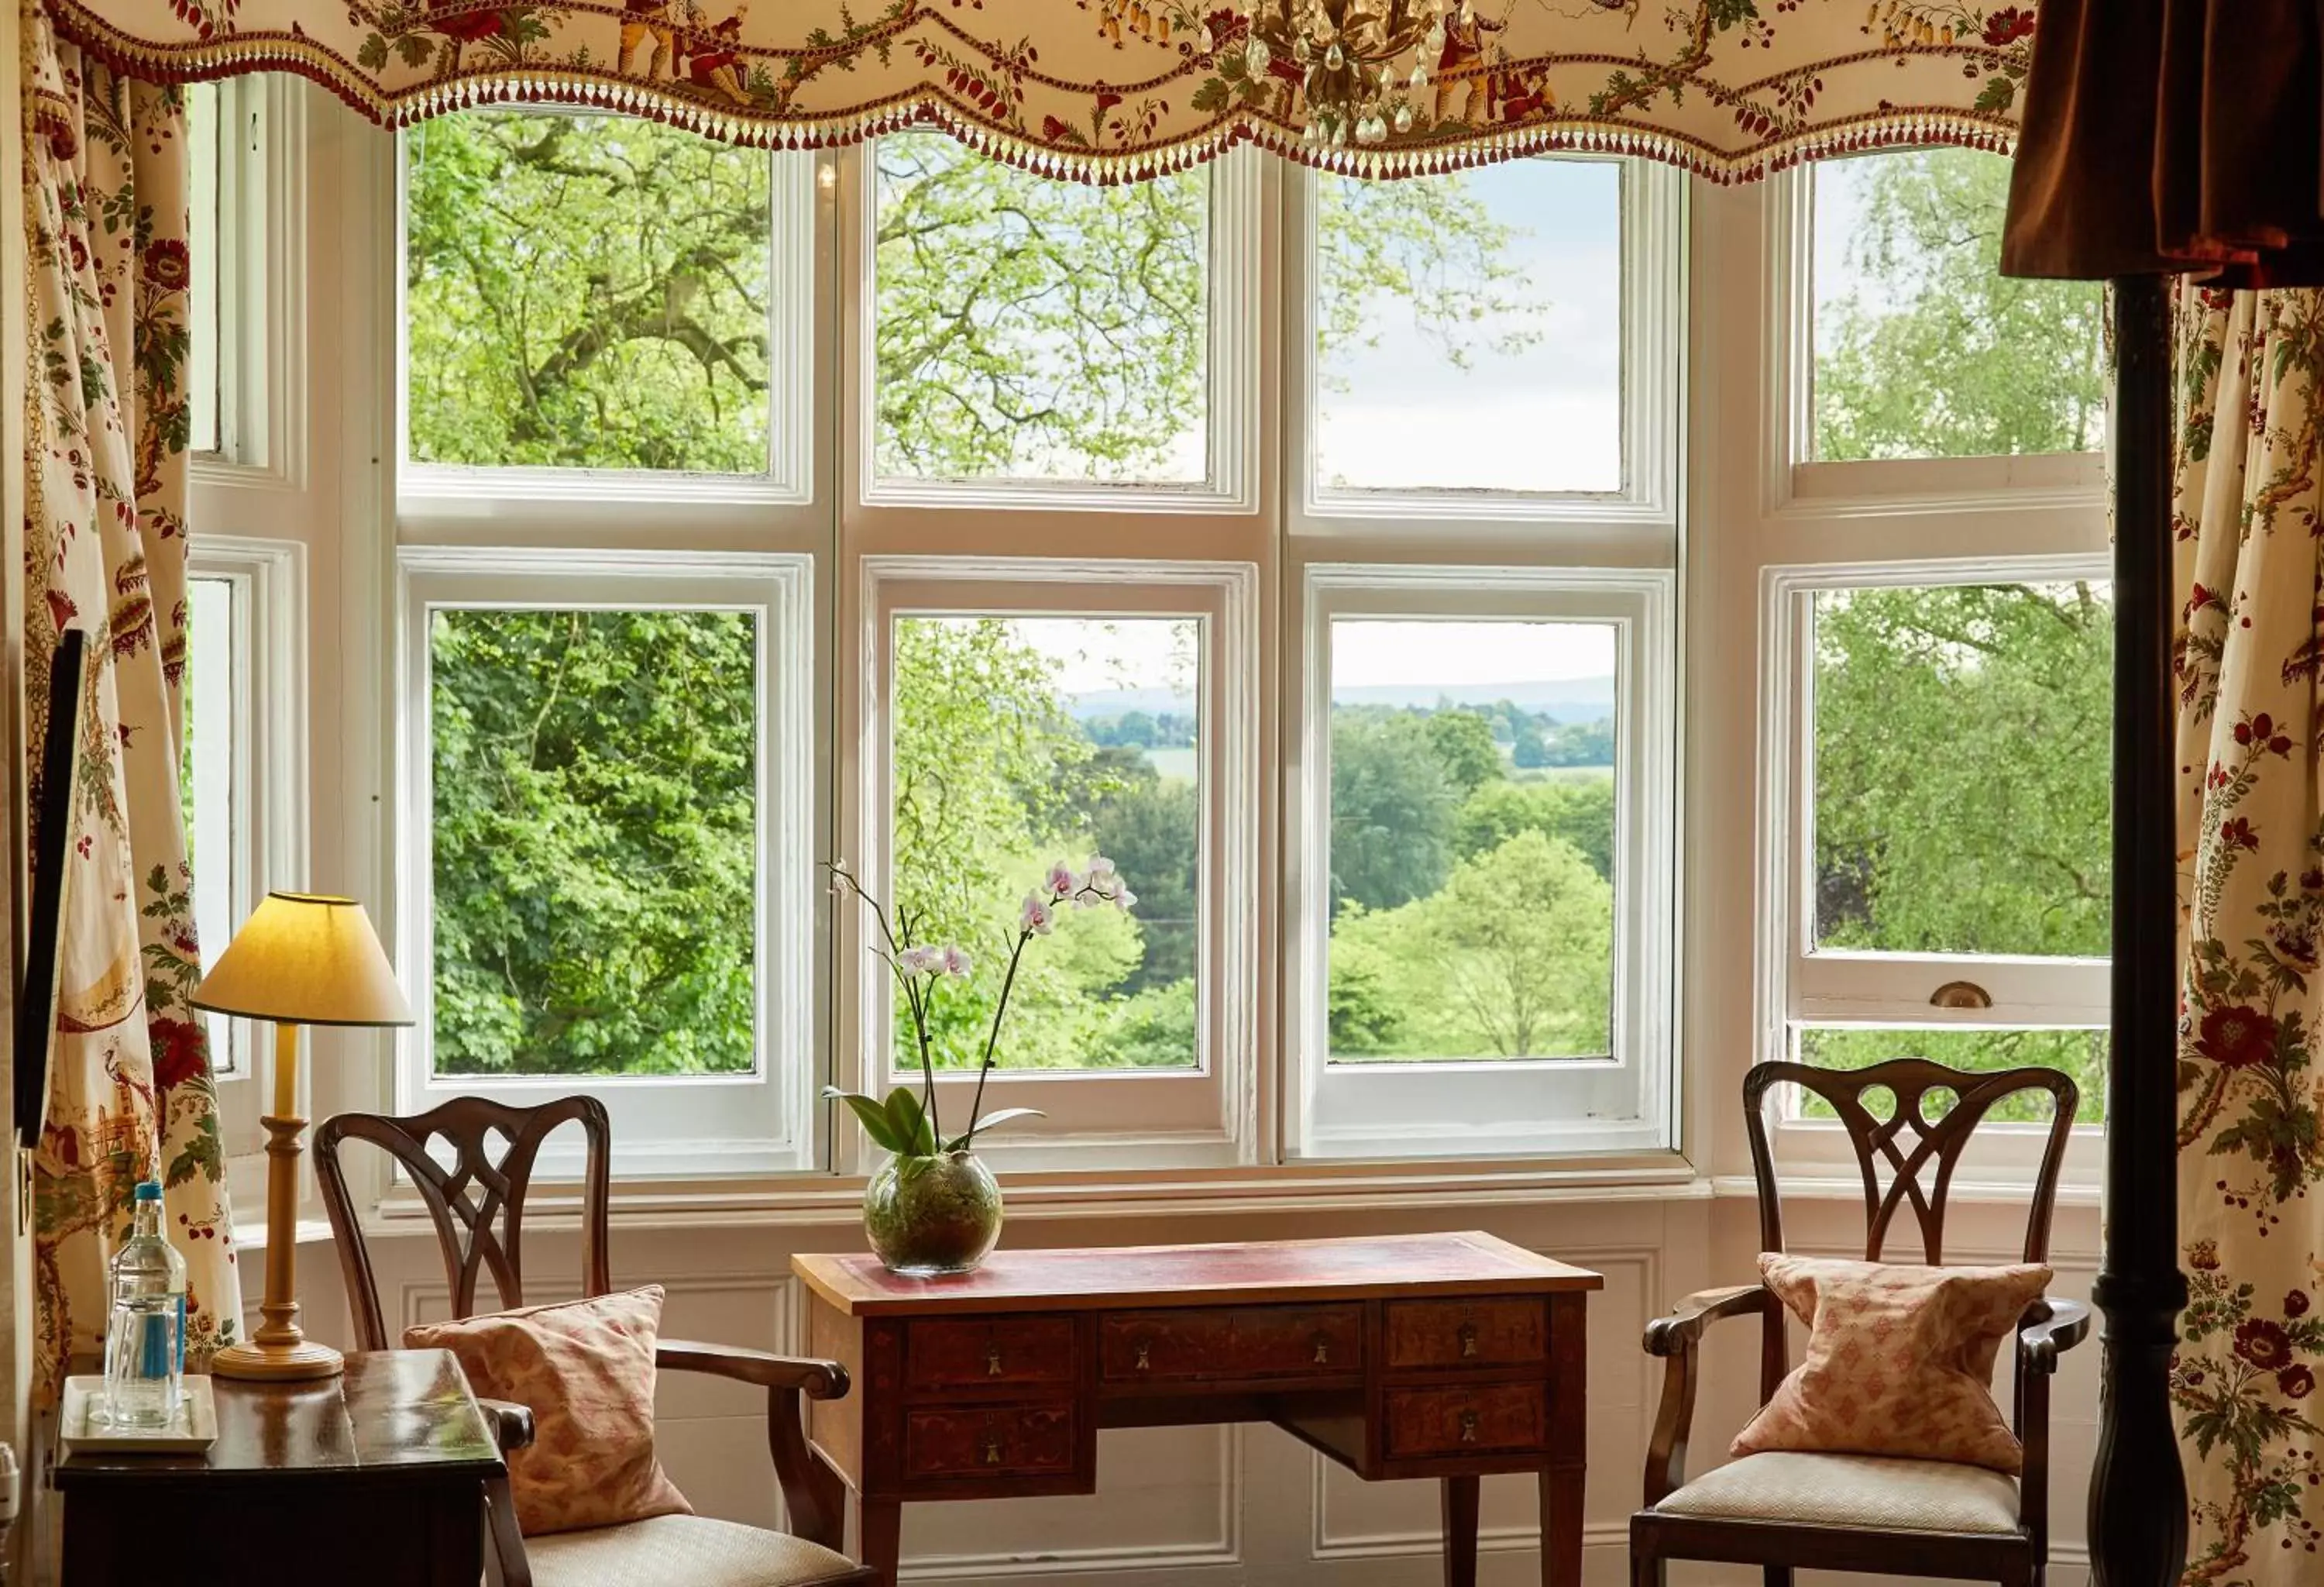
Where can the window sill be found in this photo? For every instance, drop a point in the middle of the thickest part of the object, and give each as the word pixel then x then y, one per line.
pixel 813 1201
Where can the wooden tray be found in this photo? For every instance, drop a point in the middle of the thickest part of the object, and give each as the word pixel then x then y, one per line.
pixel 194 1431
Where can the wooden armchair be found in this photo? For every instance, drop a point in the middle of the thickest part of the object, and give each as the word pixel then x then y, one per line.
pixel 478 1208
pixel 1858 1512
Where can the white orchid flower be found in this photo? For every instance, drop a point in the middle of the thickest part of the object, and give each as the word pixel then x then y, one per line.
pixel 922 961
pixel 955 959
pixel 1037 916
pixel 1101 869
pixel 1062 879
pixel 1123 899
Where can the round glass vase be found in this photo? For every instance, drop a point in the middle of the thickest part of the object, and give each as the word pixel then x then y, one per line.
pixel 929 1216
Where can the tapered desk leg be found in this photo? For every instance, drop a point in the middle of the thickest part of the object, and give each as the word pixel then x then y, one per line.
pixel 880 1523
pixel 1461 1531
pixel 1561 1527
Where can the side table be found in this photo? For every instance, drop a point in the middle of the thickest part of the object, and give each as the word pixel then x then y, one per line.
pixel 375 1477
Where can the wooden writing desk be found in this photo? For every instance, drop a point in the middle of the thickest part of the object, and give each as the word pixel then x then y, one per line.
pixel 374 1477
pixel 1452 1356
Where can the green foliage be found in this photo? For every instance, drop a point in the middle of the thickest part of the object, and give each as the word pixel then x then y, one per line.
pixel 1392 802
pixel 596 809
pixel 1580 813
pixel 586 292
pixel 1150 827
pixel 1464 744
pixel 1511 959
pixel 1960 769
pixel 1031 328
pixel 1432 249
pixel 2079 1053
pixel 1934 353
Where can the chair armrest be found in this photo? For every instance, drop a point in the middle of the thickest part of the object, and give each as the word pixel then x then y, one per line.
pixel 817 1379
pixel 1675 1338
pixel 812 1490
pixel 2040 1343
pixel 1683 1329
pixel 512 1424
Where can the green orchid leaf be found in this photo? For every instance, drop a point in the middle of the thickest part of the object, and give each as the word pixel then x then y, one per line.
pixel 911 1122
pixel 999 1116
pixel 873 1117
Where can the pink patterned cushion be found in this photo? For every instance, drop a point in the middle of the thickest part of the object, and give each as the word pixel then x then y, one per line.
pixel 1899 1363
pixel 585 1370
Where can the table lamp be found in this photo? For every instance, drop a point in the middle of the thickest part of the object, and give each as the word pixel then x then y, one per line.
pixel 300 959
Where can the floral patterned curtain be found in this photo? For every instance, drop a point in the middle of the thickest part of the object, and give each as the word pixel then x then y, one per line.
pixel 130 1095
pixel 2248 509
pixel 1120 89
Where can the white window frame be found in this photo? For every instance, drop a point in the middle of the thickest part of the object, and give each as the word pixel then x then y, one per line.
pixel 1794 482
pixel 465 493
pixel 269 837
pixel 1624 1102
pixel 1232 365
pixel 1653 247
pixel 260 269
pixel 691 1127
pixel 1803 985
pixel 1097 1116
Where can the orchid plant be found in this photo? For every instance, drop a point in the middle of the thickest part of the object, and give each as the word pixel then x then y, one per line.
pixel 908 1125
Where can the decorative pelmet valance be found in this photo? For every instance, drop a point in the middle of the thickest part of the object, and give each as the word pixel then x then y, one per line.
pixel 1115 90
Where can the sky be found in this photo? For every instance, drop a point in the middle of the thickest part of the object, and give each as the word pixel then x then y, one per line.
pixel 1545 419
pixel 1369 653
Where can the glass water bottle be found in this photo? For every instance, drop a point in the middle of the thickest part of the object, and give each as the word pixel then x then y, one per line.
pixel 145 1335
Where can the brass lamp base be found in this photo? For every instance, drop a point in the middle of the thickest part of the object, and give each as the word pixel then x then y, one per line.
pixel 278 1363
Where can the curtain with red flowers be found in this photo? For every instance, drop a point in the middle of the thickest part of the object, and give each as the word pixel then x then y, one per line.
pixel 2248 508
pixel 130 1095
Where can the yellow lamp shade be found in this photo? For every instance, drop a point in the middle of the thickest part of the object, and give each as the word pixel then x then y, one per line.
pixel 305 959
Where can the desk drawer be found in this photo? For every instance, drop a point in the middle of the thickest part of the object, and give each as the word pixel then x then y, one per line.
pixel 1489 1418
pixel 1197 1346
pixel 1490 1332
pixel 988 1441
pixel 988 1352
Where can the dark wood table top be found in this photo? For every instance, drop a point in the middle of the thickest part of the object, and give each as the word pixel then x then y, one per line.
pixel 393 1412
pixel 1242 1273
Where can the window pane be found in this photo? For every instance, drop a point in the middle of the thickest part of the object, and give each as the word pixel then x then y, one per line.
pixel 202 153
pixel 1473 790
pixel 595 816
pixel 206 778
pixel 584 292
pixel 1923 348
pixel 1032 329
pixel 1022 741
pixel 1962 769
pixel 1469 330
pixel 2081 1053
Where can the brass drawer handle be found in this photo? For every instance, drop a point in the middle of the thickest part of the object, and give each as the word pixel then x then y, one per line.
pixel 1145 1363
pixel 993 1361
pixel 991 1451
pixel 1322 1349
pixel 1468 1339
pixel 1468 1426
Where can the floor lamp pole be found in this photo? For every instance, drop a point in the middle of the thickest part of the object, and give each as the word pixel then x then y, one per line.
pixel 2138 1491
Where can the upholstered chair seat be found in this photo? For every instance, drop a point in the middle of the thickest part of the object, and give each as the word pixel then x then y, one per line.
pixel 694 1550
pixel 1862 1492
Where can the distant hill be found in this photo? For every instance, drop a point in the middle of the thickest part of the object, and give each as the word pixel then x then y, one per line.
pixel 1564 699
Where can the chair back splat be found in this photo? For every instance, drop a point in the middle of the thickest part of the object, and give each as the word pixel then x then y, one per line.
pixel 1908 1160
pixel 477 1203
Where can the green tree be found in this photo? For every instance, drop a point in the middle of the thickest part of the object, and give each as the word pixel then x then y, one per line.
pixel 1150 827
pixel 1463 741
pixel 1513 958
pixel 1961 769
pixel 1933 352
pixel 584 292
pixel 596 819
pixel 1391 810
pixel 1528 751
pixel 1580 813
